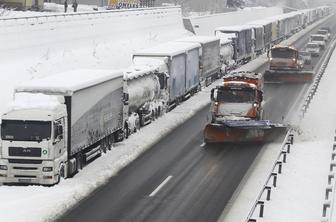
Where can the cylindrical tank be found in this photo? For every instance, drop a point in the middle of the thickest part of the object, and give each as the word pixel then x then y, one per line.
pixel 142 89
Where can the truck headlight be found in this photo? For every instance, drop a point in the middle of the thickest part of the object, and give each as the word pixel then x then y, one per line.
pixel 47 169
pixel 3 167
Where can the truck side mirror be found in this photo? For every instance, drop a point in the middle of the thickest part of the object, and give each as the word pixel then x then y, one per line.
pixel 125 98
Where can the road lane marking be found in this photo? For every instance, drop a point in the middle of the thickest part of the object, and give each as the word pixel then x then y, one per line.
pixel 160 186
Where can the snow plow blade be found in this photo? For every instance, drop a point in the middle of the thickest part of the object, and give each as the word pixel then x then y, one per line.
pixel 244 131
pixel 288 76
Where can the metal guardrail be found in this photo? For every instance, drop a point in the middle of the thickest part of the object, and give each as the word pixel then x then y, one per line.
pixel 329 199
pixel 271 181
pixel 330 195
pixel 313 89
pixel 39 19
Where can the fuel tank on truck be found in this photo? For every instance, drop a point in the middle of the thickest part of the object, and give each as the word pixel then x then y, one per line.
pixel 142 85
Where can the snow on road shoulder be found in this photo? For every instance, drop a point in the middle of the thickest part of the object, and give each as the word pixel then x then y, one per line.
pixel 37 203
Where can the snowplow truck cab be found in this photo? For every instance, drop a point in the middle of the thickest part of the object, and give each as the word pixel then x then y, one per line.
pixel 237 111
pixel 240 96
pixel 285 66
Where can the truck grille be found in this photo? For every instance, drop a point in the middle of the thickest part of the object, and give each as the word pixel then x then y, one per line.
pixel 23 161
pixel 20 151
pixel 25 168
pixel 24 176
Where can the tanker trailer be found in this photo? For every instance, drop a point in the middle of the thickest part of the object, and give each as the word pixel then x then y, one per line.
pixel 147 96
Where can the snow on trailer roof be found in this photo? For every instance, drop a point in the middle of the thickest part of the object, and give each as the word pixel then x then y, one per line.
pixel 168 49
pixel 236 28
pixel 260 22
pixel 136 71
pixel 68 82
pixel 199 39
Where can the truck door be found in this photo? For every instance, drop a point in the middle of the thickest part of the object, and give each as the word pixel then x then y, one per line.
pixel 59 137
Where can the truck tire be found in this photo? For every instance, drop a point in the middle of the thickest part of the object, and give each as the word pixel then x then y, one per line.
pixel 79 162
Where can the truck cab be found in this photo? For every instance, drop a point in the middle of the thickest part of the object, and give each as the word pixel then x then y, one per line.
pixel 238 98
pixel 33 140
pixel 284 57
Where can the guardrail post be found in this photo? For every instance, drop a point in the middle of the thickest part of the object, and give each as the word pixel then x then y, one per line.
pixel 261 212
pixel 326 205
pixel 274 175
pixel 328 190
pixel 288 147
pixel 332 165
pixel 291 139
pixel 279 163
pixel 330 177
pixel 284 156
pixel 268 194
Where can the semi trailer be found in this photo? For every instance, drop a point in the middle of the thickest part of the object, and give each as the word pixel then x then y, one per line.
pixel 181 60
pixel 57 124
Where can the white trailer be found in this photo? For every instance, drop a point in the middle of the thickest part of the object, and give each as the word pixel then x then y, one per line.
pixel 182 62
pixel 58 123
pixel 210 61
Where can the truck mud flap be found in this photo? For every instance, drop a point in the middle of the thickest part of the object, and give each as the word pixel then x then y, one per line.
pixel 214 133
pixel 288 76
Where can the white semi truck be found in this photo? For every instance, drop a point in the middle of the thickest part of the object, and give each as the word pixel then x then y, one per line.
pixel 58 123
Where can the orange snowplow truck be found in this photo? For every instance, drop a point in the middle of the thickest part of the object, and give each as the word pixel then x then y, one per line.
pixel 236 110
pixel 286 66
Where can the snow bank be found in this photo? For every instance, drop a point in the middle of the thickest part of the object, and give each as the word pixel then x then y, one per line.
pixel 49 45
pixel 205 25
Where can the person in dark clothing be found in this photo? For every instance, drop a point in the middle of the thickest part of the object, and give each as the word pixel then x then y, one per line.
pixel 65 6
pixel 75 5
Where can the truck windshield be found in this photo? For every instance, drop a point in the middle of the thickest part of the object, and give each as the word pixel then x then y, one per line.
pixel 236 95
pixel 313 46
pixel 25 130
pixel 283 53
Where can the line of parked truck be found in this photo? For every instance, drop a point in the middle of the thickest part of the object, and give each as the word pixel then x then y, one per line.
pixel 57 124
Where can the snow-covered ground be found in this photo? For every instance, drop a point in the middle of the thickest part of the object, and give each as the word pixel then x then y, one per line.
pixel 300 191
pixel 31 48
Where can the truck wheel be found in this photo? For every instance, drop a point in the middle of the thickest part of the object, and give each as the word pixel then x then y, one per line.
pixel 110 142
pixel 126 131
pixel 79 161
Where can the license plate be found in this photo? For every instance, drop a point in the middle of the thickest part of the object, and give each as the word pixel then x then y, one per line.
pixel 21 180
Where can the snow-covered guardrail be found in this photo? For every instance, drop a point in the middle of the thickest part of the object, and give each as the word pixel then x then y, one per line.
pixel 313 88
pixel 40 19
pixel 271 181
pixel 329 198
